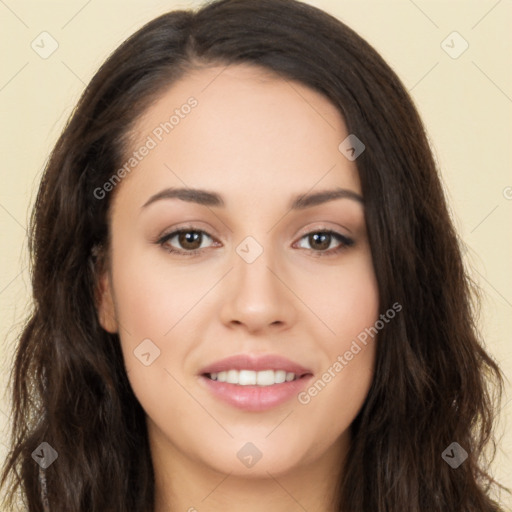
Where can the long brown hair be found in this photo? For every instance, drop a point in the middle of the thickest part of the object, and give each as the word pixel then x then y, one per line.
pixel 434 383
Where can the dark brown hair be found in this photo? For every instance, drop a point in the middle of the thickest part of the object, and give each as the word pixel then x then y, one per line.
pixel 434 382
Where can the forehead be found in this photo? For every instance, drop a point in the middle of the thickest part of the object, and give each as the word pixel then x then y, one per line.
pixel 248 130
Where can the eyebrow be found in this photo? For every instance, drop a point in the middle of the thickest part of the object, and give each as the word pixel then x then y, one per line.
pixel 208 198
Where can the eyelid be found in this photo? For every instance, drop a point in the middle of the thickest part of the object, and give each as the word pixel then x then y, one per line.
pixel 185 227
pixel 322 226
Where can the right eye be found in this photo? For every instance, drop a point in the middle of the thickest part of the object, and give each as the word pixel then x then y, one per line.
pixel 184 241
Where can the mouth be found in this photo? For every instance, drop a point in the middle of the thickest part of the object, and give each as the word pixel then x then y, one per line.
pixel 255 383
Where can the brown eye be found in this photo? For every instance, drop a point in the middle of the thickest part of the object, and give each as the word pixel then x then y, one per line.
pixel 190 239
pixel 322 242
pixel 185 241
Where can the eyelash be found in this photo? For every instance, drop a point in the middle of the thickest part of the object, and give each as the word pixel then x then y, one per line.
pixel 345 242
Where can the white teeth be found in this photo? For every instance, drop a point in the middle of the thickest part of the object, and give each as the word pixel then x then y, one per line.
pixel 280 376
pixel 245 378
pixel 252 378
pixel 265 378
pixel 232 376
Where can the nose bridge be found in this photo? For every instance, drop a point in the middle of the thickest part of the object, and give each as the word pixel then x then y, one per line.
pixel 258 298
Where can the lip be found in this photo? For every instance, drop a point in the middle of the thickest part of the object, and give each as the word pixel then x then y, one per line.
pixel 255 398
pixel 255 363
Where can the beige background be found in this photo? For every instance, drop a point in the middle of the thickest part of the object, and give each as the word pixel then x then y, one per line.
pixel 466 104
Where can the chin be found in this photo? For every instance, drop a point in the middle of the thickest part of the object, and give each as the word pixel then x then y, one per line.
pixel 257 458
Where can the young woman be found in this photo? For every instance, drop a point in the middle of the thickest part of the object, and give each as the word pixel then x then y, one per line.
pixel 249 294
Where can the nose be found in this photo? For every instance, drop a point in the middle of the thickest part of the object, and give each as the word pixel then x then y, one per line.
pixel 259 295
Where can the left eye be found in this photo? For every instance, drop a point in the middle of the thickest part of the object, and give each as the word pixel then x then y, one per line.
pixel 322 241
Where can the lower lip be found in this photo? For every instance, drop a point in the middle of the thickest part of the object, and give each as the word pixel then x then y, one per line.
pixel 256 398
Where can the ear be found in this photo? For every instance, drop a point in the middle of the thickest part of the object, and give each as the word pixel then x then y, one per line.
pixel 105 303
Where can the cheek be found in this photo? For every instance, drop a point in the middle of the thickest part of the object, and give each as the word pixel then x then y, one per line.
pixel 153 298
pixel 349 303
pixel 151 314
pixel 347 300
pixel 152 305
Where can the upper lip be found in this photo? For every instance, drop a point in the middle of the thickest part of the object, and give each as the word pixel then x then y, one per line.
pixel 256 363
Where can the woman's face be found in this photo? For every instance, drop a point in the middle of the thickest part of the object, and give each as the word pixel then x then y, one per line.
pixel 245 169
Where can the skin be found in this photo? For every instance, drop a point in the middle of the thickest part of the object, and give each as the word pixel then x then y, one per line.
pixel 257 140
